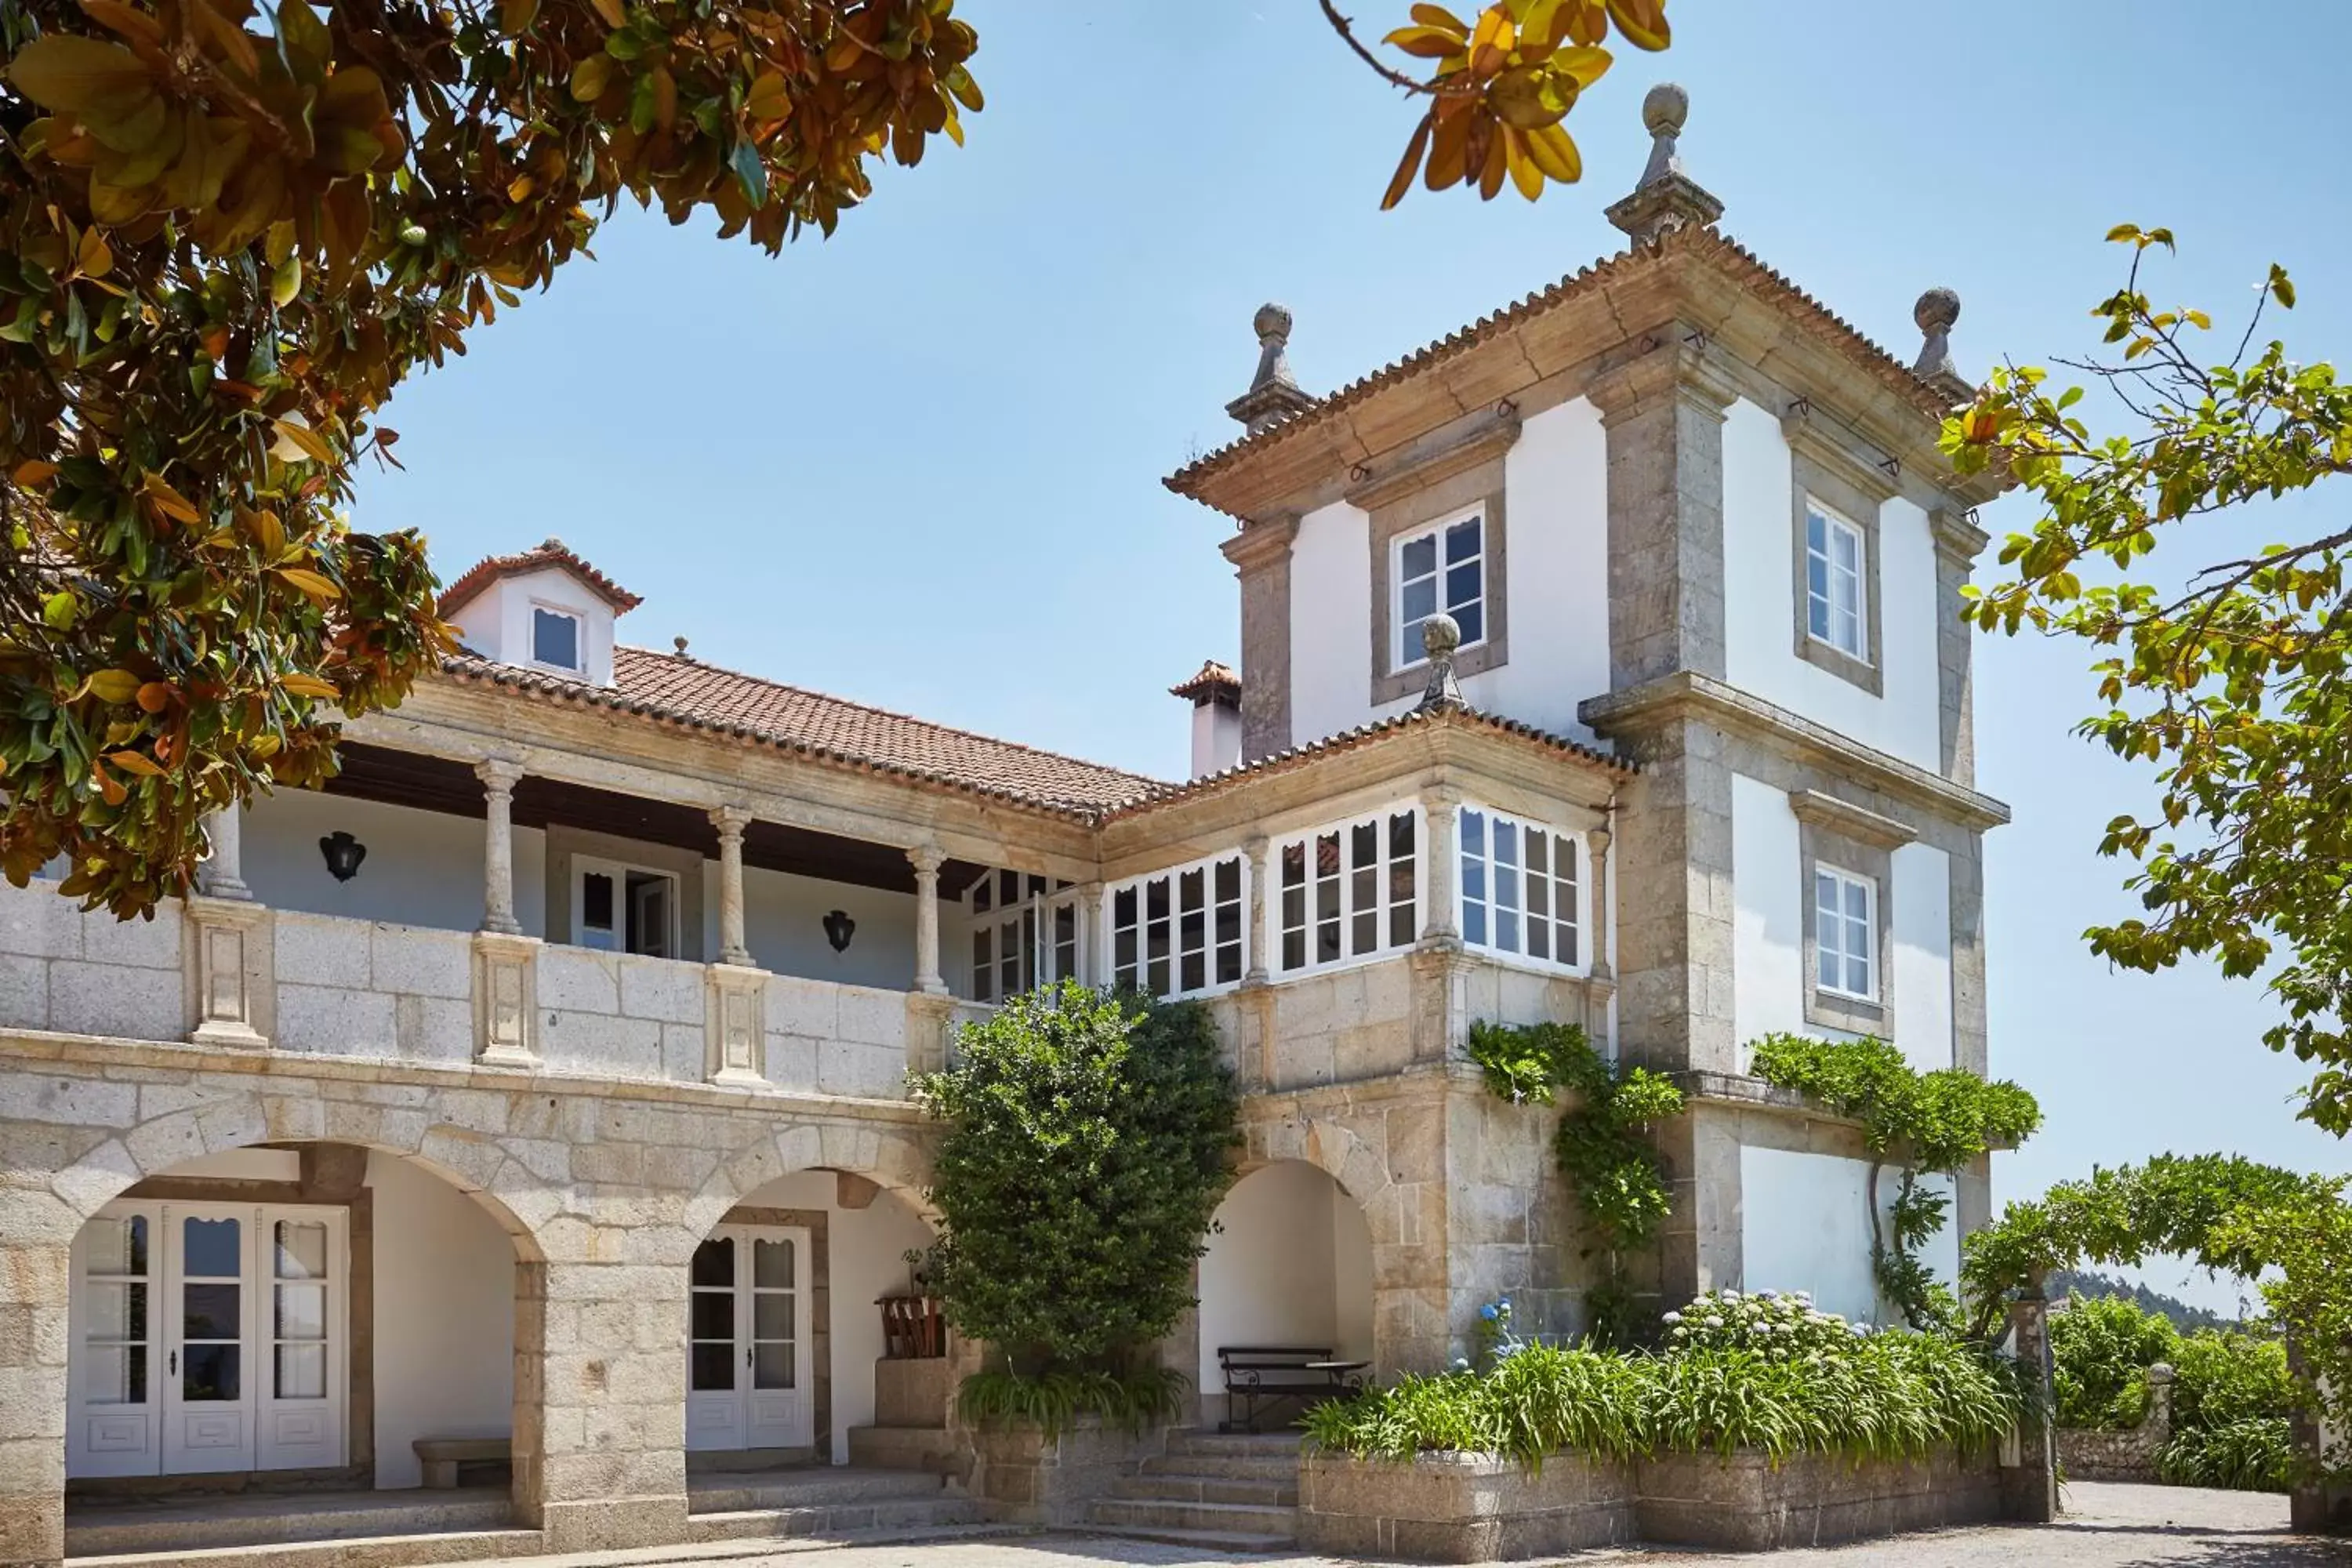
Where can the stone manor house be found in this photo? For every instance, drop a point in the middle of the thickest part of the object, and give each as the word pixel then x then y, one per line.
pixel 540 1081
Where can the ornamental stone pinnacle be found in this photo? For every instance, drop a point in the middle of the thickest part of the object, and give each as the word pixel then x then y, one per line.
pixel 1666 199
pixel 1273 396
pixel 1937 312
pixel 1441 635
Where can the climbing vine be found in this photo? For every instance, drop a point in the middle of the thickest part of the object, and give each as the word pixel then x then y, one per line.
pixel 1602 1147
pixel 1919 1122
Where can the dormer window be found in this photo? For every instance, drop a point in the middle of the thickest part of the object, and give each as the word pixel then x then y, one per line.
pixel 555 639
pixel 1441 568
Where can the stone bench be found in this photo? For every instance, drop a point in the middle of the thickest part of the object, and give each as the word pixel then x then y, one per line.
pixel 442 1455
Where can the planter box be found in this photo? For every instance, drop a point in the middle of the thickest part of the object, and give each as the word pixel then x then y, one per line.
pixel 1460 1508
pixel 1471 1508
pixel 1022 1479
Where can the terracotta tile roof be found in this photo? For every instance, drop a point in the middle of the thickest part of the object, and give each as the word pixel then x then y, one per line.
pixel 551 553
pixel 669 687
pixel 1211 677
pixel 1742 264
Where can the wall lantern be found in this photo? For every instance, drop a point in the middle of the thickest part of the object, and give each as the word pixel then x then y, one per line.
pixel 343 855
pixel 838 929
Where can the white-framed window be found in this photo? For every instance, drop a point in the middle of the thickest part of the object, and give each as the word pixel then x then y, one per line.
pixel 1440 568
pixel 617 908
pixel 1836 606
pixel 1845 934
pixel 1182 932
pixel 558 639
pixel 1520 888
pixel 1350 891
pixel 1024 933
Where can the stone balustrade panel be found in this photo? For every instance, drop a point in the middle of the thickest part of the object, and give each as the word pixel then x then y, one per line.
pixel 366 988
pixel 831 1039
pixel 621 1014
pixel 89 973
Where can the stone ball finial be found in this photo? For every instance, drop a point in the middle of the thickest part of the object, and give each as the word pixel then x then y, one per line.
pixel 1664 108
pixel 1936 310
pixel 1271 324
pixel 2161 1373
pixel 1440 636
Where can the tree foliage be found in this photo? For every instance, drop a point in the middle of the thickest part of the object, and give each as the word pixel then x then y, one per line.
pixel 1500 85
pixel 2234 684
pixel 1937 1121
pixel 1081 1168
pixel 226 235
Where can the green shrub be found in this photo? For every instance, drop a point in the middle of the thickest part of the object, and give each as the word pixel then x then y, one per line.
pixel 1078 1176
pixel 2255 1455
pixel 2225 1377
pixel 1053 1401
pixel 2099 1351
pixel 1769 1323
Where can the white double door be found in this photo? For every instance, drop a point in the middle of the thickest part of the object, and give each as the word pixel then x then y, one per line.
pixel 748 1380
pixel 207 1337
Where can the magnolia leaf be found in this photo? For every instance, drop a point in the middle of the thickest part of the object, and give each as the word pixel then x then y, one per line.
pixel 616 16
pixel 1409 165
pixel 1439 16
pixel 168 501
pixel 309 685
pixel 306 442
pixel 591 75
pixel 69 73
pixel 113 685
pixel 286 281
pixel 154 695
pixel 60 610
pixel 33 473
pixel 310 583
pixel 95 258
pixel 135 763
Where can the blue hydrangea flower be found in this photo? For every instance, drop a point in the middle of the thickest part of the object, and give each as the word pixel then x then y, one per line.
pixel 1488 1313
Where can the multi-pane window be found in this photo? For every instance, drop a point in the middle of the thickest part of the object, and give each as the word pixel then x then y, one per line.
pixel 1180 932
pixel 1518 887
pixel 1444 569
pixel 1835 604
pixel 1846 932
pixel 1348 892
pixel 1025 933
pixel 554 639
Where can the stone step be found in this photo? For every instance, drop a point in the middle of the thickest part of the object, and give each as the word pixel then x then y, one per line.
pixel 1225 1467
pixel 194 1522
pixel 1263 1491
pixel 1223 1517
pixel 1230 1542
pixel 929 1448
pixel 1272 1443
pixel 811 1488
pixel 349 1552
pixel 893 1518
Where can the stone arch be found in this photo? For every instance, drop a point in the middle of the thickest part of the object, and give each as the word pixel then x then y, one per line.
pixel 1290 1263
pixel 895 1159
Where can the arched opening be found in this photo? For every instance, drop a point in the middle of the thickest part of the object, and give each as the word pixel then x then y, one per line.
pixel 293 1317
pixel 1289 1267
pixel 792 1358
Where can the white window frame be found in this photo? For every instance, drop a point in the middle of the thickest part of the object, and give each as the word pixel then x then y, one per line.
pixel 1490 900
pixel 1345 884
pixel 1029 914
pixel 1835 523
pixel 619 872
pixel 578 637
pixel 1400 627
pixel 1140 971
pixel 1846 880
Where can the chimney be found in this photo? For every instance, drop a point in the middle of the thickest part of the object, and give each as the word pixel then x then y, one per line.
pixel 1216 694
pixel 1666 199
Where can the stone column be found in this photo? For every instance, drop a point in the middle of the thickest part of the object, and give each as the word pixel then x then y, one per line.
pixel 40 1228
pixel 2028 1479
pixel 222 875
pixel 731 821
pixel 1261 968
pixel 927 860
pixel 1441 866
pixel 500 775
pixel 1597 843
pixel 1094 945
pixel 1261 558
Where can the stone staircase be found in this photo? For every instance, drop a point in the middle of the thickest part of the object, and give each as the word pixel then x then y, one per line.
pixel 1214 1491
pixel 824 1501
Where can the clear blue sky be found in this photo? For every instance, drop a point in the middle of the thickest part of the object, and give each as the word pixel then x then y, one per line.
pixel 919 465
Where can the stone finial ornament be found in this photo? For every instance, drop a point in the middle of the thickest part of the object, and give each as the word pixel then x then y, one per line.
pixel 1440 636
pixel 1666 199
pixel 1272 396
pixel 1937 312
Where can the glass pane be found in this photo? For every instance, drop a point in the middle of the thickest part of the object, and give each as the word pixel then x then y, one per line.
pixel 1419 557
pixel 301 1371
pixel 772 1315
pixel 596 901
pixel 1845 547
pixel 210 1312
pixel 1474 924
pixel 1229 880
pixel 1461 587
pixel 209 1372
pixel 771 1265
pixel 1228 925
pixel 117 1311
pixel 1192 969
pixel 980 901
pixel 1471 619
pixel 301 1313
pixel 712 1315
pixel 118 1246
pixel 212 1248
pixel 301 1250
pixel 1857 903
pixel 1857 975
pixel 1421 599
pixel 1473 833
pixel 114 1374
pixel 774 1368
pixel 1564 944
pixel 554 640
pixel 714 1262
pixel 713 1368
pixel 1008 887
pixel 1539 854
pixel 1462 540
pixel 1828 969
pixel 1816 534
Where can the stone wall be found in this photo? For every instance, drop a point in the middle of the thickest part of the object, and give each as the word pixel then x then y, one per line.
pixel 836 1039
pixel 90 974
pixel 1022 1477
pixel 364 988
pixel 2128 1455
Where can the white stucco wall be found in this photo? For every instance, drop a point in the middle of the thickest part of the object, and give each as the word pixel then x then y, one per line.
pixel 495 623
pixel 1767 932
pixel 1556 544
pixel 1923 955
pixel 1292 1265
pixel 1760 606
pixel 783 925
pixel 444 1318
pixel 422 867
pixel 866 1258
pixel 1803 1229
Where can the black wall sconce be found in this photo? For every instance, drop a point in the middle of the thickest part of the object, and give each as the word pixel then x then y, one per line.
pixel 838 929
pixel 343 855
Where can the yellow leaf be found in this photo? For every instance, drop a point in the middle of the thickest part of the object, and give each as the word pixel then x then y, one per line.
pixel 69 73
pixel 1585 65
pixel 615 15
pixel 521 187
pixel 1439 16
pixel 1402 181
pixel 269 534
pixel 310 583
pixel 1554 152
pixel 1425 43
pixel 168 501
pixel 1526 173
pixel 136 762
pixel 108 786
pixel 515 16
pixel 770 98
pixel 95 258
pixel 113 685
pixel 1642 23
pixel 312 445
pixel 589 76
pixel 308 686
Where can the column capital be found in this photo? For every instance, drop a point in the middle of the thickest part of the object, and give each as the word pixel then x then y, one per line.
pixel 500 774
pixel 730 819
pixel 927 860
pixel 1441 796
pixel 1255 845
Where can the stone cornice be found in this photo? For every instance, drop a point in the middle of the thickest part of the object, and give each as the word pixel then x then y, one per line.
pixel 1849 821
pixel 1262 542
pixel 1688 695
pixel 1956 537
pixel 1811 435
pixel 1392 478
pixel 1678 366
